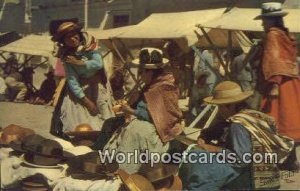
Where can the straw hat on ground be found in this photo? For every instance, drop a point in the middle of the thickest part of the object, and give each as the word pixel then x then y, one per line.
pixel 271 9
pixel 135 182
pixel 83 134
pixel 150 58
pixel 14 133
pixel 228 92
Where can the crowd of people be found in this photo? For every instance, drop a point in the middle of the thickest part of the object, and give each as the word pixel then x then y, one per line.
pixel 17 83
pixel 150 119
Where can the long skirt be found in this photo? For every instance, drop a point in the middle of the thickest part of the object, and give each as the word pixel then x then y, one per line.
pixel 137 137
pixel 72 112
pixel 286 109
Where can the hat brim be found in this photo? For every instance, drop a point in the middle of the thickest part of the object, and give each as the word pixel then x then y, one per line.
pixel 155 175
pixel 82 133
pixel 136 63
pixel 229 100
pixel 272 14
pixel 24 159
pixel 135 181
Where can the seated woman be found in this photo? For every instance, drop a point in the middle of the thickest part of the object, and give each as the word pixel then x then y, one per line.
pixel 156 118
pixel 87 98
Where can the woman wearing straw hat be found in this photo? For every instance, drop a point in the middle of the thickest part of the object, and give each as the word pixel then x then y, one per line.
pixel 225 166
pixel 88 98
pixel 157 115
pixel 281 72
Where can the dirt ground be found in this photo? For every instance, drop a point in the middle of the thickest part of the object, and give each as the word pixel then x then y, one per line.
pixel 38 118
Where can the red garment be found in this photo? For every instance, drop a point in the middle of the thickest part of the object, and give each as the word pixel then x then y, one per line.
pixel 162 103
pixel 280 67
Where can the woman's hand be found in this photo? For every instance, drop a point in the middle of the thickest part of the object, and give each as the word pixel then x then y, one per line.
pixel 90 106
pixel 127 109
pixel 74 60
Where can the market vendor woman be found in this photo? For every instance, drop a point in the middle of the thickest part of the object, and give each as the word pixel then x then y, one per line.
pixel 88 97
pixel 155 115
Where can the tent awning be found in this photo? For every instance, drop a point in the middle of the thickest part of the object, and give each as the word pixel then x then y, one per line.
pixel 36 45
pixel 179 26
pixel 243 19
pixel 108 33
pixel 171 25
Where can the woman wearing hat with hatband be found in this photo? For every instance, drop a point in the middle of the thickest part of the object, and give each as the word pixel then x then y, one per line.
pixel 244 131
pixel 281 72
pixel 88 99
pixel 157 116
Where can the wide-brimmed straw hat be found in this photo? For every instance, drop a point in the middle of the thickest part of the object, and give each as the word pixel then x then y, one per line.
pixel 64 29
pixel 83 129
pixel 150 58
pixel 271 9
pixel 135 182
pixel 228 92
pixel 89 166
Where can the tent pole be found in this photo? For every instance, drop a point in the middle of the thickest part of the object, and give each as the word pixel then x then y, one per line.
pixel 124 62
pixel 41 63
pixel 103 56
pixel 1 54
pixel 125 47
pixel 229 49
pixel 214 48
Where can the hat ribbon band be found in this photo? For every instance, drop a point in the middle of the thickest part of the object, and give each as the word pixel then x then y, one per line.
pixel 219 94
pixel 264 11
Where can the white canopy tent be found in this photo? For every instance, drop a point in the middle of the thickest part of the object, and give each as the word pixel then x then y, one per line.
pixel 179 26
pixel 35 45
pixel 242 19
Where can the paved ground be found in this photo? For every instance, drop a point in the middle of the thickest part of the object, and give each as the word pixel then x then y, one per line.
pixel 38 118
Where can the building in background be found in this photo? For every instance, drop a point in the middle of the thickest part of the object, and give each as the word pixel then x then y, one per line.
pixel 26 16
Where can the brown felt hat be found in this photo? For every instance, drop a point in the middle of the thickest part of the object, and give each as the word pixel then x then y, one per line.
pixel 47 152
pixel 89 166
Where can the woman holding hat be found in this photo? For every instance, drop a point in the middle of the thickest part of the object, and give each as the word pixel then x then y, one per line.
pixel 156 113
pixel 88 98
pixel 280 71
pixel 225 165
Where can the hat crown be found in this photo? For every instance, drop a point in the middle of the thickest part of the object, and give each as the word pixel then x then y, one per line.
pixel 83 128
pixel 227 89
pixel 151 55
pixel 271 6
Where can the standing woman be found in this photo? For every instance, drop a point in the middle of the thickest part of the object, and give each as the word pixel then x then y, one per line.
pixel 88 97
pixel 281 98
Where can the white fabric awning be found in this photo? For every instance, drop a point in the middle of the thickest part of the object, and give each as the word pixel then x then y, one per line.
pixel 243 19
pixel 171 25
pixel 179 26
pixel 36 45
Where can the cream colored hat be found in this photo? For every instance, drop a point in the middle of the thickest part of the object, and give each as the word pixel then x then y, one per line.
pixel 150 58
pixel 271 9
pixel 228 92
